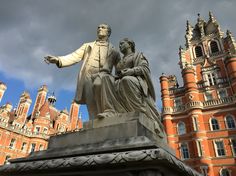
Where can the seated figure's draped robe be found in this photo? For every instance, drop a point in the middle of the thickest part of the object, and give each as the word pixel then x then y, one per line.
pixel 130 93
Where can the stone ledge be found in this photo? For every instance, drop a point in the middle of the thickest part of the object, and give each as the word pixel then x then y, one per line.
pixel 81 165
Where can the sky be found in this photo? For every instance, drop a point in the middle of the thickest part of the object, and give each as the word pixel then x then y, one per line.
pixel 32 29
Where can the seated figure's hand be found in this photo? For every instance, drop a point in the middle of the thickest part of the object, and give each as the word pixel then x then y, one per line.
pixel 127 72
pixel 51 59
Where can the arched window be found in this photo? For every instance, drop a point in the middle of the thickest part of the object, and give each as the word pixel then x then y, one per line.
pixel 214 124
pixel 198 51
pixel 224 172
pixel 181 128
pixel 230 122
pixel 214 47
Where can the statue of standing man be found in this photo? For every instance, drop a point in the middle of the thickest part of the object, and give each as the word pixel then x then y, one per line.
pixel 94 55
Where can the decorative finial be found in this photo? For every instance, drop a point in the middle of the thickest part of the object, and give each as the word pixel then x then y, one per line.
pixel 211 17
pixel 188 27
pixel 180 48
pixel 228 33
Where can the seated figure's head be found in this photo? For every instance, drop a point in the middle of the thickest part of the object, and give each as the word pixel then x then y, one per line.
pixel 125 44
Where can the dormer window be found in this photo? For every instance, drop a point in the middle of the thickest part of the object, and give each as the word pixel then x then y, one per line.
pixel 214 47
pixel 198 51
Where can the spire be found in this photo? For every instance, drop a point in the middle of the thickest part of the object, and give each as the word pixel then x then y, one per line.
pixel 182 58
pixel 188 34
pixel 200 24
pixel 211 17
pixel 230 36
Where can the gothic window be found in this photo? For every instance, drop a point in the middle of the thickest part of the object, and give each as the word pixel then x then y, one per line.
pixel 219 148
pixel 224 172
pixel 184 151
pixel 12 143
pixel 198 51
pixel 214 47
pixel 214 124
pixel 32 148
pixel 230 123
pixel 199 148
pixel 181 128
pixel 233 146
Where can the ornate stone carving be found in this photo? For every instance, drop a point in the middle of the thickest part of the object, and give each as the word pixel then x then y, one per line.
pixel 99 159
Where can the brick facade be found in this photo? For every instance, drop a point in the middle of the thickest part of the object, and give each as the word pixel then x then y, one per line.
pixel 21 133
pixel 200 116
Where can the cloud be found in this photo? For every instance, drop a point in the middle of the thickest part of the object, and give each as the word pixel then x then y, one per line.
pixel 32 29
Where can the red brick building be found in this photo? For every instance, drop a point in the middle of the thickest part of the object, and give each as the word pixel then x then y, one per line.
pixel 200 116
pixel 21 133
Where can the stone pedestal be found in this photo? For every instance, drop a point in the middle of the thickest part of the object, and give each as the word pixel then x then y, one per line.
pixel 118 146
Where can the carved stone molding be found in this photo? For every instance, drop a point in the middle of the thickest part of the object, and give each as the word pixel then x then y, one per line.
pixel 127 157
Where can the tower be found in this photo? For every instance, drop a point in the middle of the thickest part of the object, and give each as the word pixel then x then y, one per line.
pixel 202 112
pixel 22 109
pixel 40 99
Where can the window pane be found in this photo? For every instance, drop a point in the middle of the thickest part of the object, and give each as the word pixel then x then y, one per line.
pixel 184 151
pixel 32 147
pixel 198 51
pixel 7 159
pixel 181 128
pixel 222 93
pixel 234 146
pixel 225 172
pixel 12 143
pixel 220 148
pixel 214 124
pixel 214 47
pixel 230 122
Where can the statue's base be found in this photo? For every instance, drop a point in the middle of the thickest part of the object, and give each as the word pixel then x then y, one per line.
pixel 127 146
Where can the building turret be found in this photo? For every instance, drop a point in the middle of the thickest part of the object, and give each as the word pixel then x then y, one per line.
pixel 23 105
pixel 3 88
pixel 40 99
pixel 8 107
pixel 190 83
pixel 230 63
pixel 230 44
pixel 189 34
pixel 165 91
pixel 167 106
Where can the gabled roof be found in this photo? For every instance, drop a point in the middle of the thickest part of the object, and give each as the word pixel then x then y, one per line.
pixel 47 109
